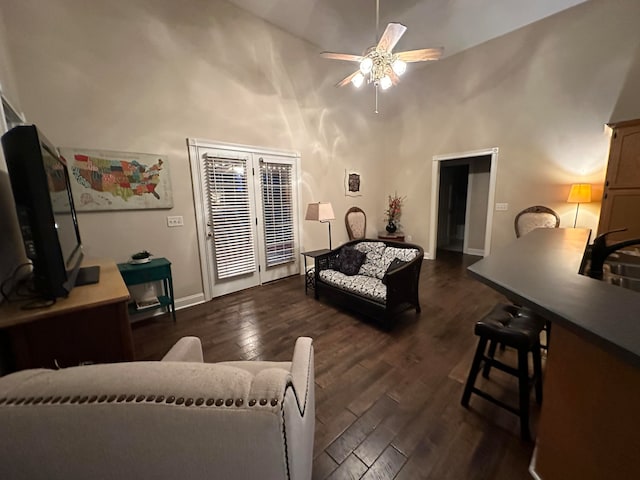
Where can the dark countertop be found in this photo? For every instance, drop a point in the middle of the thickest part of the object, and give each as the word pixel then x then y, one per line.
pixel 540 271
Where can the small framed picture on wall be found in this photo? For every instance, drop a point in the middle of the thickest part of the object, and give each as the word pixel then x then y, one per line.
pixel 352 183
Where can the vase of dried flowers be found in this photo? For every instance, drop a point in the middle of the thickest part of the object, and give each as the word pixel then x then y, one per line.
pixel 393 212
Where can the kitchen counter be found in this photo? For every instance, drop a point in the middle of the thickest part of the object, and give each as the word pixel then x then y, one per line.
pixel 590 416
pixel 540 271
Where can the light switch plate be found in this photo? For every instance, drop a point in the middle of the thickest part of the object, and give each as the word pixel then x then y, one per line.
pixel 175 221
pixel 502 207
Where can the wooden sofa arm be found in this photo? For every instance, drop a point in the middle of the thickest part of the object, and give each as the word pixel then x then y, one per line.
pixel 187 349
pixel 327 261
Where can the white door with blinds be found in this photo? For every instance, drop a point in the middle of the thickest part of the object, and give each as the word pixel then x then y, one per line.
pixel 248 215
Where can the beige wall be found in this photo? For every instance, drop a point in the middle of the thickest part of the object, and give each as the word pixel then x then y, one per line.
pixel 541 95
pixel 11 250
pixel 145 75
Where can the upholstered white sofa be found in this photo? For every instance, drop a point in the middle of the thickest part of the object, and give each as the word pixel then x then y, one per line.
pixel 175 419
pixel 383 281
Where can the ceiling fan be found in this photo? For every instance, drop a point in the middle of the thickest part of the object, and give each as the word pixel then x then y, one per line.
pixel 379 65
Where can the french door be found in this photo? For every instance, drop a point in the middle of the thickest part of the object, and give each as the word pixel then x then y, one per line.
pixel 247 215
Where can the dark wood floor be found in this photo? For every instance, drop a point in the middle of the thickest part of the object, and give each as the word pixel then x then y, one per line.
pixel 387 403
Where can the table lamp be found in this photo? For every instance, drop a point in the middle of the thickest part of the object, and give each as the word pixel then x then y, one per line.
pixel 321 212
pixel 579 193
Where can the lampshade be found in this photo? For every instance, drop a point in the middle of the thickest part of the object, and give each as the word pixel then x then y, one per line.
pixel 580 193
pixel 320 211
pixel 399 67
pixel 366 65
pixel 358 80
pixel 385 82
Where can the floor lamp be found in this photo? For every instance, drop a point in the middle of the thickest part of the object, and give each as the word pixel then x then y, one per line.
pixel 579 193
pixel 321 212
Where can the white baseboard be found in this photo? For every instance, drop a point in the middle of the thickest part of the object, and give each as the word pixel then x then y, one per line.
pixel 474 251
pixel 428 256
pixel 189 301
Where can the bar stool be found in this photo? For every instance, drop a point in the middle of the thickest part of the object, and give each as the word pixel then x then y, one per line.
pixel 516 327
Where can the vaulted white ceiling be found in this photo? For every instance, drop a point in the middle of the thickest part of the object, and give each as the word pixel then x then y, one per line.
pixel 350 25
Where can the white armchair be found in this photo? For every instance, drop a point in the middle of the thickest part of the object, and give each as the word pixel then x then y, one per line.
pixel 176 419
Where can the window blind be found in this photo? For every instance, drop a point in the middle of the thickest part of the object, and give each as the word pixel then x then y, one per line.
pixel 230 213
pixel 277 205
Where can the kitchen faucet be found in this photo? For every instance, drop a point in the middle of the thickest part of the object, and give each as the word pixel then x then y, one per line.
pixel 600 251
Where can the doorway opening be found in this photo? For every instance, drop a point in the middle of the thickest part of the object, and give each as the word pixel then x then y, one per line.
pixel 452 206
pixel 462 195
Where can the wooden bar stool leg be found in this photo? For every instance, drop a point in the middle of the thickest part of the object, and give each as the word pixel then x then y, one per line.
pixel 475 369
pixel 548 329
pixel 487 364
pixel 523 381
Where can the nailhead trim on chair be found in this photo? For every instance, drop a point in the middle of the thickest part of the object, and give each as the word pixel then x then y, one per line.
pixel 238 402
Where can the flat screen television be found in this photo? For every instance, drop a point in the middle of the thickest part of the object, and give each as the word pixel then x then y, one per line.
pixel 44 205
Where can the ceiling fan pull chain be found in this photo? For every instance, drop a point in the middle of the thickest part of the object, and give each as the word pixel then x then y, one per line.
pixel 376 98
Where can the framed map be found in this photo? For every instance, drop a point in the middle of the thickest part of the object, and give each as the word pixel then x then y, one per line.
pixel 105 180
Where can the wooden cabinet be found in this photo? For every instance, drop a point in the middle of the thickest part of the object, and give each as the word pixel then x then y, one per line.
pixel 90 325
pixel 621 199
pixel 589 420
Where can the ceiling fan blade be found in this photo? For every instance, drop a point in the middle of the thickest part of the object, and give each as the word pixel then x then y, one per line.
pixel 390 37
pixel 395 79
pixel 342 56
pixel 347 79
pixel 421 55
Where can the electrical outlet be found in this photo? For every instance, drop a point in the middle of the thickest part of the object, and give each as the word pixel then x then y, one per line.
pixel 175 221
pixel 502 207
pixel 409 238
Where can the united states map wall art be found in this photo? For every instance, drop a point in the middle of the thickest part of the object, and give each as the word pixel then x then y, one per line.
pixel 107 180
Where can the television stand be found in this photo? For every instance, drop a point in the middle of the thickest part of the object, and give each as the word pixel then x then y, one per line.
pixel 88 275
pixel 91 325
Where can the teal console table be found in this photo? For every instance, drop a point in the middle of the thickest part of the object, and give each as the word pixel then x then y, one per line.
pixel 158 269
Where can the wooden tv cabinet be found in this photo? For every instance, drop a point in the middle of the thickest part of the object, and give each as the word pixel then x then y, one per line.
pixel 91 325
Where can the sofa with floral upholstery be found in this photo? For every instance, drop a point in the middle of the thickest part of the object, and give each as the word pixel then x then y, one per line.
pixel 376 278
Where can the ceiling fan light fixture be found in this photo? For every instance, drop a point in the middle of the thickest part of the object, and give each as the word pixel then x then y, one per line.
pixel 366 65
pixel 379 65
pixel 385 82
pixel 399 67
pixel 358 80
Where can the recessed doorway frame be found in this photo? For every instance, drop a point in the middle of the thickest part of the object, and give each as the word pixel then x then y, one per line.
pixel 435 191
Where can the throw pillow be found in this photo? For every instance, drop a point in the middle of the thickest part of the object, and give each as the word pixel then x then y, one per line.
pixel 395 264
pixel 351 260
